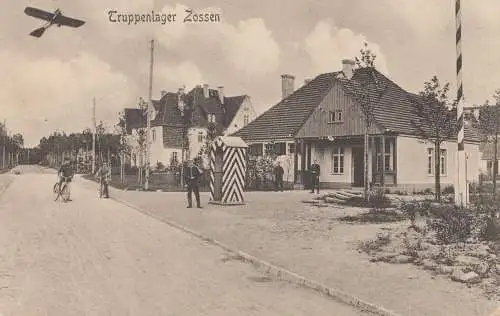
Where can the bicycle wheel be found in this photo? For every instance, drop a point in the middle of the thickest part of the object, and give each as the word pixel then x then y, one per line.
pixel 55 190
pixel 65 192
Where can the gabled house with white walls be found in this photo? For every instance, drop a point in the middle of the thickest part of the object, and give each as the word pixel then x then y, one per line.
pixel 182 121
pixel 323 120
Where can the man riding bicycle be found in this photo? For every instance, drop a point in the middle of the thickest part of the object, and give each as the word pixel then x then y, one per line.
pixel 104 176
pixel 65 172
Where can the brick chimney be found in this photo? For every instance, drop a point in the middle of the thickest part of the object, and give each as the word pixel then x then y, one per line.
pixel 220 92
pixel 205 91
pixel 348 68
pixel 287 85
pixel 306 81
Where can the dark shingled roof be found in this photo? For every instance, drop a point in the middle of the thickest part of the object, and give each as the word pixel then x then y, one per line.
pixel 168 112
pixel 286 118
pixel 169 115
pixel 134 118
pixel 394 109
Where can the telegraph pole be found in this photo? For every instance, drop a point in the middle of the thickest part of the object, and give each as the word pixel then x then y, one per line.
pixel 94 131
pixel 4 136
pixel 149 109
pixel 461 190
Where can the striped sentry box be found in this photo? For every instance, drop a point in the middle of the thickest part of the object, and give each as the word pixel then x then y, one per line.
pixel 234 165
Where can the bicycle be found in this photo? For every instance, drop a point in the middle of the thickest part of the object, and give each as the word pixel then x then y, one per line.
pixel 102 183
pixel 62 191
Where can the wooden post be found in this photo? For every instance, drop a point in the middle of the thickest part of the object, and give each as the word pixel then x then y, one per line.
pixel 295 161
pixel 302 160
pixel 374 159
pixel 395 161
pixel 382 172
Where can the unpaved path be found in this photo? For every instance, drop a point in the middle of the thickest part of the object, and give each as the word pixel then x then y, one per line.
pixel 96 257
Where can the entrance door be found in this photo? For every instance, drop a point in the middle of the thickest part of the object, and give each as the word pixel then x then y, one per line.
pixel 218 175
pixel 358 167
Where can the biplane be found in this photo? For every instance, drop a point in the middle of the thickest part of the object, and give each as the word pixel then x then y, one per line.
pixel 56 18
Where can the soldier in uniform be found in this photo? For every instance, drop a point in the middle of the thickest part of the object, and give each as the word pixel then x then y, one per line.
pixel 315 171
pixel 278 173
pixel 192 176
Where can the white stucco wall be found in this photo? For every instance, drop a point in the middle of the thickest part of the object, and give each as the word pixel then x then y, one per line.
pixel 412 163
pixel 325 160
pixel 246 108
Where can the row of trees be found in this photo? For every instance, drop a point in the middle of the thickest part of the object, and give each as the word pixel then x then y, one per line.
pixel 60 145
pixel 11 147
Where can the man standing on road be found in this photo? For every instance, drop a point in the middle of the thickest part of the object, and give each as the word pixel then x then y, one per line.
pixel 315 171
pixel 192 176
pixel 104 177
pixel 278 174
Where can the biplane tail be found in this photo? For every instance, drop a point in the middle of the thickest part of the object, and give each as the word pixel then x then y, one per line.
pixel 38 32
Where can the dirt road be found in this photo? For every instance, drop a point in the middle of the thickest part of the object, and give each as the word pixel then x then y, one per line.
pixel 96 257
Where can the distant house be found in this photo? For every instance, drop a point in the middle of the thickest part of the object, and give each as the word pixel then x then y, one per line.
pixel 323 121
pixel 200 107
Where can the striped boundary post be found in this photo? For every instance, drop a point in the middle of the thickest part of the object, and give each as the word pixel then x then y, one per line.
pixel 212 172
pixel 461 185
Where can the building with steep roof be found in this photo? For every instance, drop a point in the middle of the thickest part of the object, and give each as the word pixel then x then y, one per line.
pixel 182 120
pixel 323 120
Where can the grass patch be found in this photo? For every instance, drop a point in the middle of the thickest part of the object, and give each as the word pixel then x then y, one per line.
pixel 375 217
pixel 376 245
pixel 156 183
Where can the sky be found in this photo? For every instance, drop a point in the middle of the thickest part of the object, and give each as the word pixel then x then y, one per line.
pixel 48 84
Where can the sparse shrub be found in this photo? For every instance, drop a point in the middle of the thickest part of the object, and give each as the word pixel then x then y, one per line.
pixel 414 208
pixel 428 191
pixel 486 208
pixel 160 166
pixel 451 224
pixel 378 200
pixel 449 190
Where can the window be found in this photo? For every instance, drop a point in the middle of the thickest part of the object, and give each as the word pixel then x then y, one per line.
pixel 291 148
pixel 431 161
pixel 389 156
pixel 200 137
pixel 255 149
pixel 490 167
pixel 443 161
pixel 335 116
pixel 245 120
pixel 269 149
pixel 280 149
pixel 211 118
pixel 174 159
pixel 154 135
pixel 338 160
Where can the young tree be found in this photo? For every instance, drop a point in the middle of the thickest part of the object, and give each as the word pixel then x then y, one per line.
pixel 211 135
pixel 436 115
pixel 121 129
pixel 489 126
pixel 370 90
pixel 100 131
pixel 18 142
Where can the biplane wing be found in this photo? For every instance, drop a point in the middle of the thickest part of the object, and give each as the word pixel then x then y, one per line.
pixel 39 14
pixel 64 20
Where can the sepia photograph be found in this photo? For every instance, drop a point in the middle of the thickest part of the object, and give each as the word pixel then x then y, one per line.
pixel 314 157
